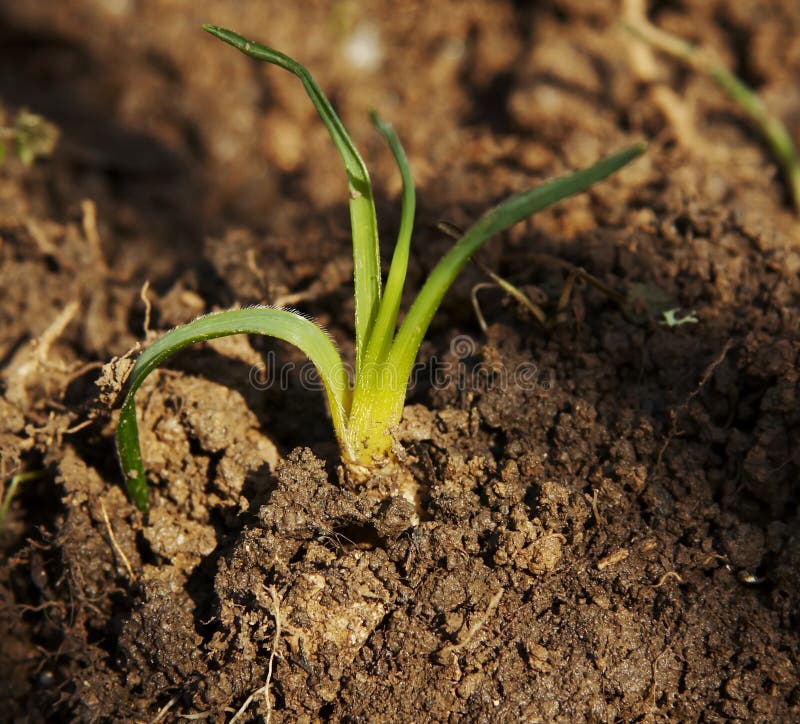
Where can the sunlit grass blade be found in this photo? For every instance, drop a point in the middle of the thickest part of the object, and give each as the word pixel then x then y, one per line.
pixel 279 323
pixel 501 217
pixel 384 327
pixel 366 254
pixel 11 490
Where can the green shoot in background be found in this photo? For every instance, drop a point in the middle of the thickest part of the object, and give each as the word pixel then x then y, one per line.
pixel 9 492
pixel 773 131
pixel 29 135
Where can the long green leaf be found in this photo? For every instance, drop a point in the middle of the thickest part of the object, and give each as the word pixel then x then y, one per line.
pixel 366 254
pixel 383 331
pixel 501 217
pixel 279 323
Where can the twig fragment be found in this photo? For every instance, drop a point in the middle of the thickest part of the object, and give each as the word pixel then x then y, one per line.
pixel 148 307
pixel 685 404
pixel 668 574
pixel 598 518
pixel 476 307
pixel 445 653
pixel 516 293
pixel 613 559
pixel 89 223
pixel 164 710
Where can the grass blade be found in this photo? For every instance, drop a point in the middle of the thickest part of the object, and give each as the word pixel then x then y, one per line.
pixel 501 217
pixel 384 327
pixel 772 129
pixel 280 323
pixel 11 490
pixel 366 254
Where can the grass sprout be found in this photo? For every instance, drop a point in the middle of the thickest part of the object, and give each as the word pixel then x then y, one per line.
pixel 29 135
pixel 11 489
pixel 364 410
pixel 772 130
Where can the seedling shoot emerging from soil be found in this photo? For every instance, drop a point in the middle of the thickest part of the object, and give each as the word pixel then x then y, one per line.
pixel 363 412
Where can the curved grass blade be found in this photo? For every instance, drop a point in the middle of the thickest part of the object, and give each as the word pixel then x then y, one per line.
pixel 501 217
pixel 10 491
pixel 772 129
pixel 383 330
pixel 366 254
pixel 280 323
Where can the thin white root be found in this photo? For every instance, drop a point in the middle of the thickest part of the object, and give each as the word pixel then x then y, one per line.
pixel 164 710
pixel 446 653
pixel 148 308
pixel 34 357
pixel 276 613
pixel 476 305
pixel 89 222
pixel 115 545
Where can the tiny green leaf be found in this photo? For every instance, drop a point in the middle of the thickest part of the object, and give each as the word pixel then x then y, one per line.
pixel 10 491
pixel 672 319
pixel 33 136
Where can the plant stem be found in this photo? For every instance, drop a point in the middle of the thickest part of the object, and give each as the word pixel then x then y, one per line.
pixel 12 489
pixel 773 131
pixel 386 320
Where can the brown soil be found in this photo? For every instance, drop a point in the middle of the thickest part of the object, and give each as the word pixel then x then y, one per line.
pixel 608 535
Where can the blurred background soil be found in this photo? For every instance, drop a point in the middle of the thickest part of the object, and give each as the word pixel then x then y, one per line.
pixel 610 509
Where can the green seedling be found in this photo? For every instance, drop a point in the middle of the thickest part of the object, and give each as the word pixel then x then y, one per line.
pixel 11 490
pixel 772 130
pixel 365 410
pixel 29 135
pixel 672 318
